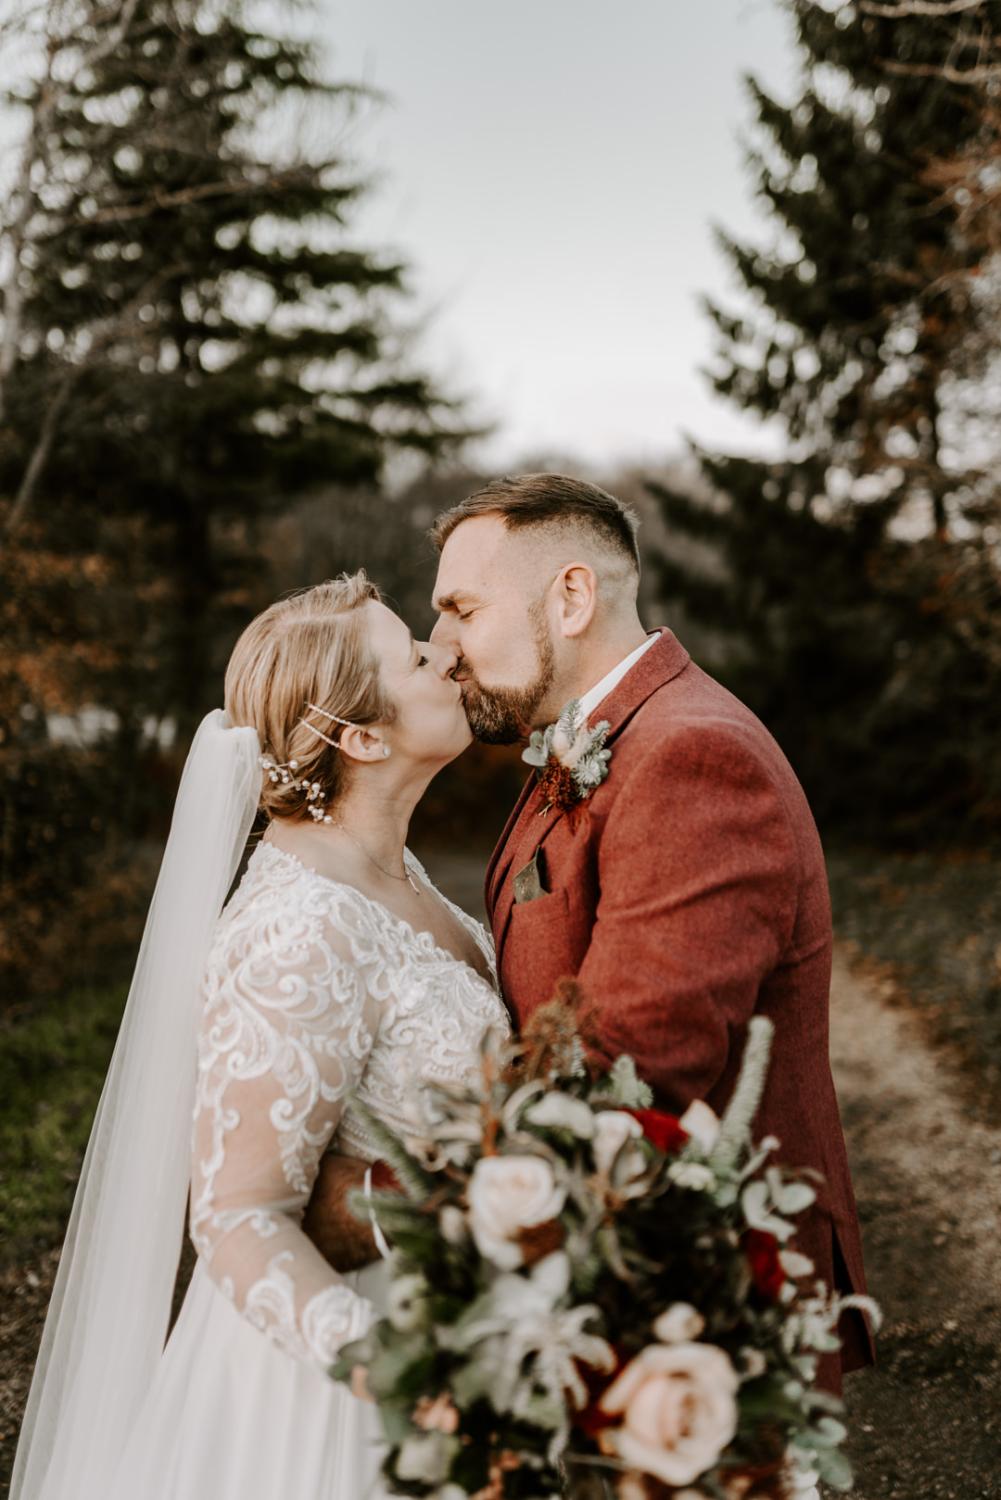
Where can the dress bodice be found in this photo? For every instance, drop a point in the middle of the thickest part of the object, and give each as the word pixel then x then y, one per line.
pixel 315 997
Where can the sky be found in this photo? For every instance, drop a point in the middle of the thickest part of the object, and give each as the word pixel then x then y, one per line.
pixel 551 171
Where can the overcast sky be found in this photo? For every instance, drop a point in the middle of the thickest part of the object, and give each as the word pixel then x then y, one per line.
pixel 551 170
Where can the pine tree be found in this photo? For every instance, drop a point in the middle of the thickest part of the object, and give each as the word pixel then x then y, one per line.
pixel 864 312
pixel 199 319
pixel 191 337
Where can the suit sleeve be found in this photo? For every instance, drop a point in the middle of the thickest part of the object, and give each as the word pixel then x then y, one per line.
pixel 697 865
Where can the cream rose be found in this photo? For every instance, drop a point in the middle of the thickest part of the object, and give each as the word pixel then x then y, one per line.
pixel 508 1194
pixel 702 1124
pixel 679 1324
pixel 679 1411
pixel 612 1129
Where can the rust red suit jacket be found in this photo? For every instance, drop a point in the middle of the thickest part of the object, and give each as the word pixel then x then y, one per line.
pixel 689 896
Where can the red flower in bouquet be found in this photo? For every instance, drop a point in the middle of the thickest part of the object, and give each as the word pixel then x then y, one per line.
pixel 590 1419
pixel 664 1131
pixel 762 1251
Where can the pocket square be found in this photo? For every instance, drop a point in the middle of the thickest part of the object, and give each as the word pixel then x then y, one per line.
pixel 528 882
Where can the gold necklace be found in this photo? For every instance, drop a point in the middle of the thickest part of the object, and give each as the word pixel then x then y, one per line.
pixel 372 860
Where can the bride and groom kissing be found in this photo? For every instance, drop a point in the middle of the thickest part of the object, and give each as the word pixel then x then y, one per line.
pixel 662 854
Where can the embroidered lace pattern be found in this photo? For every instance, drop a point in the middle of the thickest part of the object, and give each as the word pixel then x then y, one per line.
pixel 314 996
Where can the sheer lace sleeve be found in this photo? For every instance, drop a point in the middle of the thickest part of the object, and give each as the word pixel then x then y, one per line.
pixel 286 1030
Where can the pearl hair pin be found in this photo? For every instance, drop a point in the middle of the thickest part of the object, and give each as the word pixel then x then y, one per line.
pixel 283 775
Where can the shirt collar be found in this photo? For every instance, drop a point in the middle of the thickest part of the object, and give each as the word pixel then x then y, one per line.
pixel 595 696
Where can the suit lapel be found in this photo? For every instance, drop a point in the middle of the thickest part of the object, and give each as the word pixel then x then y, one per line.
pixel 501 857
pixel 530 833
pixel 526 831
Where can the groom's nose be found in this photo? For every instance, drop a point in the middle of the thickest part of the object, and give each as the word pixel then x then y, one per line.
pixel 441 635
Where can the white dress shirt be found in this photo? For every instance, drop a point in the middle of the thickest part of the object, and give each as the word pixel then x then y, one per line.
pixel 596 695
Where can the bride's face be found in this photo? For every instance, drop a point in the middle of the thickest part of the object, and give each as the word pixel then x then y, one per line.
pixel 430 724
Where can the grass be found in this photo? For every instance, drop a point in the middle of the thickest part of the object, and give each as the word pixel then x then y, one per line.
pixel 930 924
pixel 52 1066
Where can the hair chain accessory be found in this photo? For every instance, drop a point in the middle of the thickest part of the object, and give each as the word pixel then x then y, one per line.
pixel 325 737
pixel 348 724
pixel 335 718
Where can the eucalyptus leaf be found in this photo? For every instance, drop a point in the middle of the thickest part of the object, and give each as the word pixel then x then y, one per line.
pixel 834 1468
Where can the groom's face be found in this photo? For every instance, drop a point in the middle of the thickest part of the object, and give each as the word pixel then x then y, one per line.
pixel 491 598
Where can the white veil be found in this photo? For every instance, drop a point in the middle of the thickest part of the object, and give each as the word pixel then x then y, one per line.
pixel 110 1307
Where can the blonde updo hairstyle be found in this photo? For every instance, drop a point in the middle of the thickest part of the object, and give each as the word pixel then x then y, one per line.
pixel 310 647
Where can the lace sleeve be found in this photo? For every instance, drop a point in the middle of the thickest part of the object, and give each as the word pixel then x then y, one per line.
pixel 286 1030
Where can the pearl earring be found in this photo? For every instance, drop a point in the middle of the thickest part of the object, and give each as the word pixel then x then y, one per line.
pixel 385 751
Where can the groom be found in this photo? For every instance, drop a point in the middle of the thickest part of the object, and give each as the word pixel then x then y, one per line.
pixel 687 892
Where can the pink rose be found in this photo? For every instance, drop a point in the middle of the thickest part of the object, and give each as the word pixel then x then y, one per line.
pixel 679 1411
pixel 436 1415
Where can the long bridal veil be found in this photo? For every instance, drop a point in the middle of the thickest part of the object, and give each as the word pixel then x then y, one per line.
pixel 110 1307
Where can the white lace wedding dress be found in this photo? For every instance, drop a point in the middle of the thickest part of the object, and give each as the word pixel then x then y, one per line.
pixel 315 996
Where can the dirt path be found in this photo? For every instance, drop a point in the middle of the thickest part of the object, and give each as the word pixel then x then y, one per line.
pixel 927 1421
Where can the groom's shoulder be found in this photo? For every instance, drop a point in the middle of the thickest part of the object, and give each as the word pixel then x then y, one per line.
pixel 692 716
pixel 693 703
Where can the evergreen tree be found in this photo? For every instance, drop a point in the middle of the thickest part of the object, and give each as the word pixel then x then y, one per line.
pixel 198 317
pixel 190 338
pixel 864 314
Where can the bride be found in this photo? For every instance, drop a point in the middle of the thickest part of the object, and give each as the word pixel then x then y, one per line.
pixel 336 973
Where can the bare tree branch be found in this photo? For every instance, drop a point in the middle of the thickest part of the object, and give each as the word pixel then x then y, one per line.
pixel 43 448
pixel 114 37
pixel 101 334
pixel 919 7
pixel 283 178
pixel 987 73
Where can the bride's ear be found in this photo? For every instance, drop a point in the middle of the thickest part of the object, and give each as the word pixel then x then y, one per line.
pixel 576 597
pixel 359 743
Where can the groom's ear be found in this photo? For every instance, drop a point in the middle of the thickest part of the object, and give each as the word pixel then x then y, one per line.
pixel 576 598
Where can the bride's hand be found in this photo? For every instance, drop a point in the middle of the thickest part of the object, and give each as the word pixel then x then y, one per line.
pixel 359 1384
pixel 347 1244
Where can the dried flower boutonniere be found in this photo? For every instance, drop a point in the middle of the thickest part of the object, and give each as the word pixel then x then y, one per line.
pixel 570 759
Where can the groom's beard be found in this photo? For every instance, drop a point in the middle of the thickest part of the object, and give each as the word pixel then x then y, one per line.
pixel 504 715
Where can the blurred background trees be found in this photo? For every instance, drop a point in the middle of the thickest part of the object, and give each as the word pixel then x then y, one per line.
pixel 856 579
pixel 193 344
pixel 210 394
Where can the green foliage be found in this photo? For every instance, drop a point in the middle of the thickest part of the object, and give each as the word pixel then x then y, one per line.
pixel 858 578
pixel 52 1068
pixel 623 1086
pixel 389 1147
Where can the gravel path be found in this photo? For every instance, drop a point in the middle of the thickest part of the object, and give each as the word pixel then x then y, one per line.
pixel 927 1422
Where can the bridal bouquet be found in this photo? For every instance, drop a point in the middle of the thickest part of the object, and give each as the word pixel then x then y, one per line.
pixel 589 1295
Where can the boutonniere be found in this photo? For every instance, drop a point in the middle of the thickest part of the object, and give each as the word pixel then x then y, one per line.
pixel 570 759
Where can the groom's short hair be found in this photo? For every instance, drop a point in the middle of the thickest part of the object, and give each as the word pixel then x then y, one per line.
pixel 525 500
